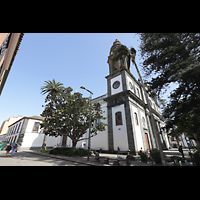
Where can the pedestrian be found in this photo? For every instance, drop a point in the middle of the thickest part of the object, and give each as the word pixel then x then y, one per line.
pixel 181 151
pixel 8 148
pixel 14 150
pixel 141 151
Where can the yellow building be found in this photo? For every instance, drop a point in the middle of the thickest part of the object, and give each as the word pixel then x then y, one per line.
pixel 4 126
pixel 9 44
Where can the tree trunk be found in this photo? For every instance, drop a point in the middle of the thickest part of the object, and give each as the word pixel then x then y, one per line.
pixel 43 147
pixel 198 145
pixel 177 140
pixel 197 141
pixel 74 142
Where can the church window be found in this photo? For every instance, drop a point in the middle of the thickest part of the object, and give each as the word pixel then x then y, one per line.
pixel 138 93
pixel 136 119
pixel 118 117
pixel 131 86
pixel 143 122
pixel 116 84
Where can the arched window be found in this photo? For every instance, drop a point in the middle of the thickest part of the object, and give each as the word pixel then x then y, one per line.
pixel 136 119
pixel 118 118
pixel 143 122
pixel 138 93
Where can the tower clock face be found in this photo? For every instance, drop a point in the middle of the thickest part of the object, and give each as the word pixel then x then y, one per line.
pixel 116 84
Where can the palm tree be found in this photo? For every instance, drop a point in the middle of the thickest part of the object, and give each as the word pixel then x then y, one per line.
pixel 121 53
pixel 51 88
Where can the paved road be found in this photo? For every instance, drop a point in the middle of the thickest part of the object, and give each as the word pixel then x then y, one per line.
pixel 23 158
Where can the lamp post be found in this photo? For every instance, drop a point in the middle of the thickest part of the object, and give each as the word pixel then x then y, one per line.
pixel 89 121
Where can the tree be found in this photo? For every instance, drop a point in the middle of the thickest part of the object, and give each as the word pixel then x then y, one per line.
pixel 186 119
pixel 121 53
pixel 51 88
pixel 175 58
pixel 69 115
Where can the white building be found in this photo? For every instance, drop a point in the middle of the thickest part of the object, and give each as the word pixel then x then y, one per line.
pixel 28 134
pixel 125 107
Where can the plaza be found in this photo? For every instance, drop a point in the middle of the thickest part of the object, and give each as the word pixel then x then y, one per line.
pixel 34 158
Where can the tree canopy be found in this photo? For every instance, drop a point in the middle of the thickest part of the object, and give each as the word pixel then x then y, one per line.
pixel 175 58
pixel 68 114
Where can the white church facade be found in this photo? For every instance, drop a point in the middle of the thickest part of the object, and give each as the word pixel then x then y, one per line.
pixel 127 116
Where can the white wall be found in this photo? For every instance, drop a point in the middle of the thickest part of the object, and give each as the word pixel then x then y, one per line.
pixel 120 132
pixel 101 139
pixel 137 129
pixel 32 140
pixel 36 139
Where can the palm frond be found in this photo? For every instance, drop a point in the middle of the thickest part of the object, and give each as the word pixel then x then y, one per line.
pixel 52 87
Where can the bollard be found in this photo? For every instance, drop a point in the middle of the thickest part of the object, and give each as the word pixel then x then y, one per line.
pixel 129 159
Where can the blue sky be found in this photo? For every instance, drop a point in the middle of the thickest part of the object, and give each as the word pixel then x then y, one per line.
pixel 73 59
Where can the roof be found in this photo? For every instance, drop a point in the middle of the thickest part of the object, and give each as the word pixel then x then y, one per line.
pixel 99 98
pixel 16 49
pixel 32 117
pixel 37 117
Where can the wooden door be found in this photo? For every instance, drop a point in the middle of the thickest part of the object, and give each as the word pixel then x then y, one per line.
pixel 147 141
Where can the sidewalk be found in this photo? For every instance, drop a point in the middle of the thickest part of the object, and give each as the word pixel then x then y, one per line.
pixel 92 161
pixel 175 152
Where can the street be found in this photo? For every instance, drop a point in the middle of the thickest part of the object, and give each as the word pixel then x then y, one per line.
pixel 25 158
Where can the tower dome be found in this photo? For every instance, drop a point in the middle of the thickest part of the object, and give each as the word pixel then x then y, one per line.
pixel 121 63
pixel 115 45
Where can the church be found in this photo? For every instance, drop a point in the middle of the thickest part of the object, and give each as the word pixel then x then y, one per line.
pixel 127 116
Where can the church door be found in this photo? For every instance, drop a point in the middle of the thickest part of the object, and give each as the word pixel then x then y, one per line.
pixel 147 141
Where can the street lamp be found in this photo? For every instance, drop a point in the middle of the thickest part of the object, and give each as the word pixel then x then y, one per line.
pixel 89 121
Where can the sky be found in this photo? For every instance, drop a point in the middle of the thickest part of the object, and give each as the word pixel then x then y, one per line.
pixel 74 59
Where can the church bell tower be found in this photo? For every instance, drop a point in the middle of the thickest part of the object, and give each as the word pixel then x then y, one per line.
pixel 120 86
